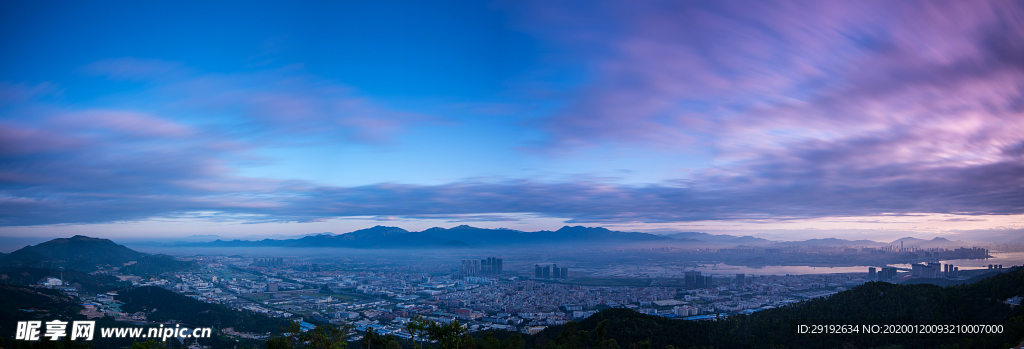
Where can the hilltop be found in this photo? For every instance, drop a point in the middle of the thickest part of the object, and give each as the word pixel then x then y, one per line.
pixel 88 254
pixel 78 252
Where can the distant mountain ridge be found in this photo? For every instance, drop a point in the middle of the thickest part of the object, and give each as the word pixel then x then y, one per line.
pixel 938 242
pixel 84 253
pixel 456 237
pixel 727 239
pixel 384 237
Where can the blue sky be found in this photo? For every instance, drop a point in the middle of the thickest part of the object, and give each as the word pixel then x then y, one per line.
pixel 862 120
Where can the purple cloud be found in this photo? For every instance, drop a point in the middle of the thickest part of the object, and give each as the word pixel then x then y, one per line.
pixel 736 76
pixel 823 109
pixel 779 194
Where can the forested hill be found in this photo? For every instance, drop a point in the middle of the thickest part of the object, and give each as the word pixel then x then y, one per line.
pixel 874 303
pixel 78 252
pixel 20 303
pixel 25 276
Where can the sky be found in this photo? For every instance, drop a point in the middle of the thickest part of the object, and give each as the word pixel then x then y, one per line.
pixel 785 120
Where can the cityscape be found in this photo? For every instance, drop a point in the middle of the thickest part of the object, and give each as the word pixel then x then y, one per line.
pixel 494 174
pixel 385 293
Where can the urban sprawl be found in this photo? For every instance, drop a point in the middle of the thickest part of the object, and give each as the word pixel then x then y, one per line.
pixel 476 292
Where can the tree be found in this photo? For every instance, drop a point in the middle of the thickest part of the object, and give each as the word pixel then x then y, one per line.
pixel 514 341
pixel 489 342
pixel 390 342
pixel 326 337
pixel 417 328
pixel 278 342
pixel 449 335
pixel 370 338
pixel 467 342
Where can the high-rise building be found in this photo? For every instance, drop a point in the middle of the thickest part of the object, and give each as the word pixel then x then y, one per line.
pixel 887 274
pixel 470 267
pixel 740 281
pixel 930 270
pixel 537 271
pixel 546 272
pixel 691 279
pixel 558 273
pixel 872 276
pixel 488 266
pixel 695 280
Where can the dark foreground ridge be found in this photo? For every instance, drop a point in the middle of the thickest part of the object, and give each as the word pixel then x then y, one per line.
pixel 874 303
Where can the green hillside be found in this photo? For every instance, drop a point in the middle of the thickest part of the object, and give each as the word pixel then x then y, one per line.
pixel 156 265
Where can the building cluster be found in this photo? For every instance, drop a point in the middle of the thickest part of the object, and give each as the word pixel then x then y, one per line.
pixel 490 266
pixel 934 270
pixel 550 272
pixel 268 262
pixel 885 274
pixel 693 280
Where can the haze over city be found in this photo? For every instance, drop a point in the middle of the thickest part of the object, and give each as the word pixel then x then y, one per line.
pixel 854 120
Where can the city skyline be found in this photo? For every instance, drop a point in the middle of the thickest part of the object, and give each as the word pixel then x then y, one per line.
pixel 850 120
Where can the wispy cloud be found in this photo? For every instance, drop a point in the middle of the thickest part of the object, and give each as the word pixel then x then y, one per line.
pixel 21 93
pixel 273 103
pixel 136 69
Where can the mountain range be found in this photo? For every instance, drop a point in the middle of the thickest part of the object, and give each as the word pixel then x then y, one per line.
pixel 725 239
pixel 382 237
pixel 457 237
pixel 938 242
pixel 81 251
